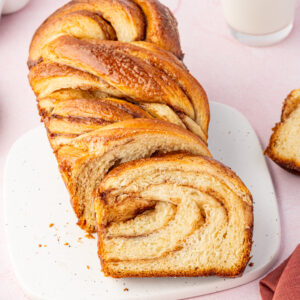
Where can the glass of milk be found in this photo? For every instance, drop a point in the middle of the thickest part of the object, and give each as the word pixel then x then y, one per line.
pixel 259 22
pixel 11 6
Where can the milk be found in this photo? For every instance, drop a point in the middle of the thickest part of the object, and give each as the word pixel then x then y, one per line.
pixel 259 17
pixel 11 6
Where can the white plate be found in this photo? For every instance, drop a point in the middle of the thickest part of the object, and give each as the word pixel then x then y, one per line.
pixel 35 197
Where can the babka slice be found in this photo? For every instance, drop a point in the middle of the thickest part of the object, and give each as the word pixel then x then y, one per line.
pixel 284 145
pixel 198 220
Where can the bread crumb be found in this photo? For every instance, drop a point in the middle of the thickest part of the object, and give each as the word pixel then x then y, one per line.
pixel 88 267
pixel 40 245
pixel 251 264
pixel 126 290
pixel 89 236
pixel 45 245
pixel 51 225
pixel 66 244
pixel 79 240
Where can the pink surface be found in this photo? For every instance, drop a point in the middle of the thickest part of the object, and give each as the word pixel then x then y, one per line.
pixel 253 80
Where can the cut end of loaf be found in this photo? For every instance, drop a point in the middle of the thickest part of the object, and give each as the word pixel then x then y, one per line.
pixel 284 144
pixel 201 224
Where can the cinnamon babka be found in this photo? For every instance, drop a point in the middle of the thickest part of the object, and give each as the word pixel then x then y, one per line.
pixel 284 144
pixel 129 124
pixel 198 222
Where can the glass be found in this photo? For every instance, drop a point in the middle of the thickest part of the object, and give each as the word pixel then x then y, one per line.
pixel 259 22
pixel 11 6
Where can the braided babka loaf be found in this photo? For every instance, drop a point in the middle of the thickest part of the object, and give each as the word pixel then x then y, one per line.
pixel 128 124
pixel 284 144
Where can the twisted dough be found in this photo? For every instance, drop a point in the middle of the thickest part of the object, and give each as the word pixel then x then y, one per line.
pixel 111 89
pixel 94 63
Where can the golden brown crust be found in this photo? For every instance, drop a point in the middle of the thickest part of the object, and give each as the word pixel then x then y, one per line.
pixel 150 15
pixel 161 26
pixel 117 13
pixel 291 103
pixel 161 79
pixel 134 77
pixel 75 48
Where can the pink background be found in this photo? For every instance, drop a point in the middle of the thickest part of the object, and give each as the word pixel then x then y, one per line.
pixel 253 80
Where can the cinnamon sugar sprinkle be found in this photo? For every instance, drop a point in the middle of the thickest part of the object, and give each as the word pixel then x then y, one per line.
pixel 89 236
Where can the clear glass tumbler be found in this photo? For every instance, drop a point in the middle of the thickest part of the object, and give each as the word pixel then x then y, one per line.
pixel 259 22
